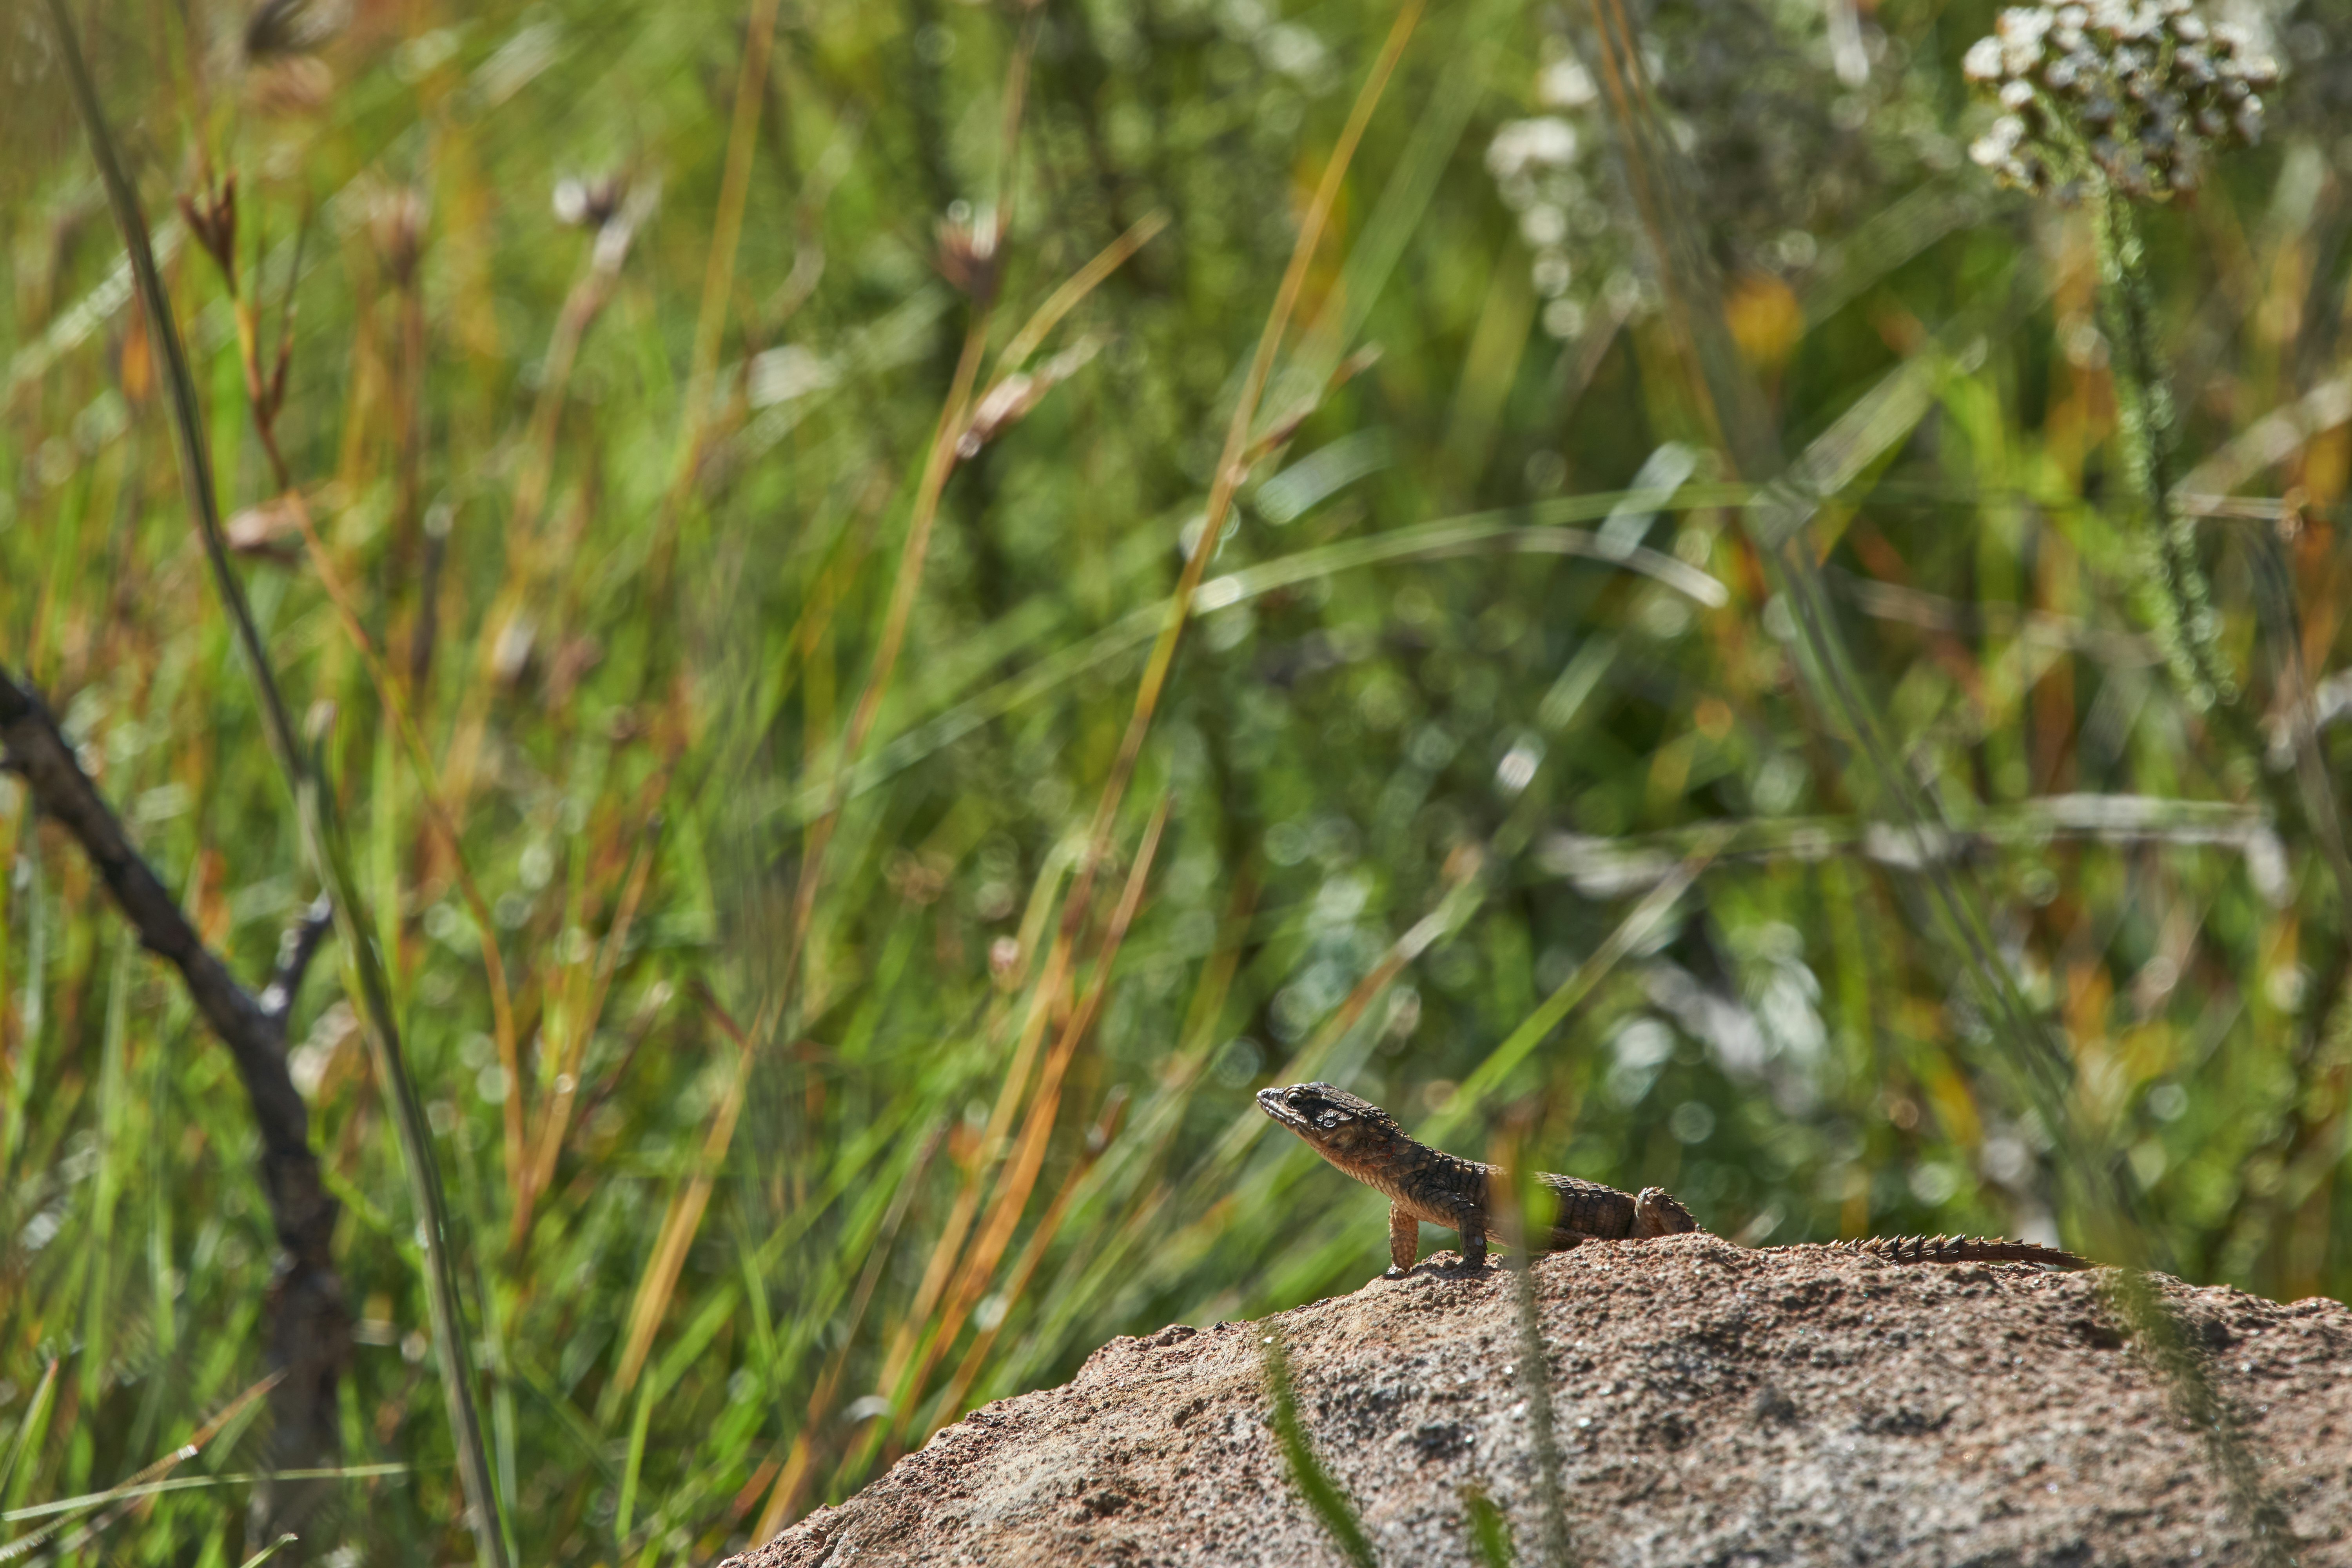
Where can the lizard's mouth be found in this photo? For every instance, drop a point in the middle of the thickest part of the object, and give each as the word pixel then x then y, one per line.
pixel 1270 1100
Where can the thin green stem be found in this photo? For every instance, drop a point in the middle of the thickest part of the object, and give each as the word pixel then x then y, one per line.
pixel 2096 1173
pixel 1333 1508
pixel 322 829
pixel 1515 1221
pixel 1490 1533
pixel 2179 597
pixel 2135 1299
pixel 2181 600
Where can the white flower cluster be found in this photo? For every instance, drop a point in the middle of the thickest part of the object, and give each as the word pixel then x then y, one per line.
pixel 2143 89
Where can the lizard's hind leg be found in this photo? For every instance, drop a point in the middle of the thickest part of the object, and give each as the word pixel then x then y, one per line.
pixel 1470 1219
pixel 1474 1246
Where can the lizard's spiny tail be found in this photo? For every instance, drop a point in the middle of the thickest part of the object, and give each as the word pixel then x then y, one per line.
pixel 1962 1249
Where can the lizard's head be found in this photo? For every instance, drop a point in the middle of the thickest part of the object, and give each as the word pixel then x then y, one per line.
pixel 1341 1126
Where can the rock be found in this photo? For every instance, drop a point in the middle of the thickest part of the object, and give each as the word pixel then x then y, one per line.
pixel 1715 1406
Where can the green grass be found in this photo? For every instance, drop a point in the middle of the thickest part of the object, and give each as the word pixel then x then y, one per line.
pixel 1333 1509
pixel 758 1172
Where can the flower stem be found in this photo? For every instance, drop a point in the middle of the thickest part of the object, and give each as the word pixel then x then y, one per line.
pixel 2180 601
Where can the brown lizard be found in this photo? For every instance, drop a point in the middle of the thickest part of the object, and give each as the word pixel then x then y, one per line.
pixel 1428 1184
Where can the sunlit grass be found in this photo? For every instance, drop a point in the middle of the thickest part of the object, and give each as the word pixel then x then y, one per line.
pixel 838 892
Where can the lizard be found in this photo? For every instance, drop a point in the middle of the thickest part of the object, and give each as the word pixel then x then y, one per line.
pixel 1422 1183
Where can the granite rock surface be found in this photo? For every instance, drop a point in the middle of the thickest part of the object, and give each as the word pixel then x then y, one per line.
pixel 1715 1407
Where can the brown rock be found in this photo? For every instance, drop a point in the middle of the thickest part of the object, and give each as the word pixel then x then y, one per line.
pixel 1715 1405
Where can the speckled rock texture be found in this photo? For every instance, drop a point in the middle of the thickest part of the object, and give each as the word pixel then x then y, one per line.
pixel 1716 1406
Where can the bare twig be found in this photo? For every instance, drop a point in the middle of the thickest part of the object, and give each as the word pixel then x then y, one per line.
pixel 310 1329
pixel 295 950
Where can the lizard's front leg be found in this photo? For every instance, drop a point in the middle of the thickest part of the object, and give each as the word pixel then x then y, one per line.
pixel 1404 1242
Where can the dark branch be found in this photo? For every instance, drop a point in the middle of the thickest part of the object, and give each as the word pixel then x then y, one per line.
pixel 31 745
pixel 309 1324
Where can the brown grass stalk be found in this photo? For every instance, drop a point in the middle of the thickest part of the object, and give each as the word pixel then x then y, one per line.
pixel 1011 1199
pixel 949 1248
pixel 264 395
pixel 717 287
pixel 1237 441
pixel 1024 1268
pixel 1007 1202
pixel 581 306
pixel 940 463
pixel 1231 469
pixel 580 1028
pixel 389 695
pixel 128 1492
pixel 800 1463
pixel 683 1219
pixel 937 465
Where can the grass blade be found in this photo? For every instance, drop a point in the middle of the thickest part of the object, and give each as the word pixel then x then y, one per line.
pixel 1490 1533
pixel 270 1551
pixel 1331 1506
pixel 1514 1219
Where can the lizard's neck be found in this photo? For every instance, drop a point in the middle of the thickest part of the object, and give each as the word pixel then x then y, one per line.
pixel 1402 1166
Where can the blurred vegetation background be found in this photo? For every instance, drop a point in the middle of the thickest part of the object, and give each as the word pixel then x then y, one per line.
pixel 888 958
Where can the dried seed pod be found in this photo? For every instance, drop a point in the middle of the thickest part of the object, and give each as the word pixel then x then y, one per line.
pixel 397 220
pixel 277 28
pixel 588 202
pixel 211 217
pixel 967 252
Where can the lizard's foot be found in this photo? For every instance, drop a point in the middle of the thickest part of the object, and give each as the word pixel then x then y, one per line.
pixel 1394 1272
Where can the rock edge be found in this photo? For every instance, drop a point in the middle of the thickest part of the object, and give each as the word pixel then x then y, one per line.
pixel 1715 1407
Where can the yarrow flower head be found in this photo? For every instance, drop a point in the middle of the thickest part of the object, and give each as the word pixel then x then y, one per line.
pixel 2142 91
